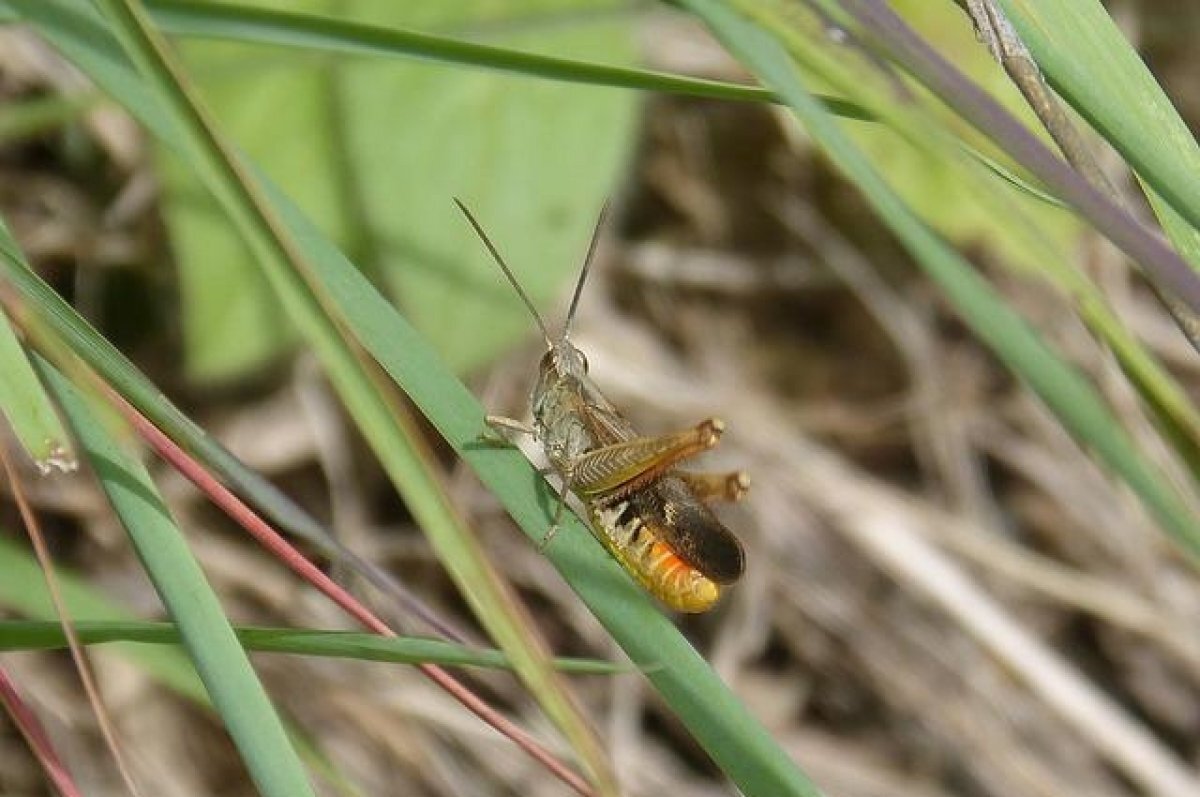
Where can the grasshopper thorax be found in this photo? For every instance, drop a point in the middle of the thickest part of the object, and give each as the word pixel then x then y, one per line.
pixel 561 387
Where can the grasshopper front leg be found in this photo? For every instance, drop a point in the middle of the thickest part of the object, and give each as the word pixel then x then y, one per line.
pixel 501 424
pixel 621 468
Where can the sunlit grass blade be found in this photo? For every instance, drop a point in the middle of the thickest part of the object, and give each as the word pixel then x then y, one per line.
pixel 968 205
pixel 219 658
pixel 892 37
pixel 23 401
pixel 1092 65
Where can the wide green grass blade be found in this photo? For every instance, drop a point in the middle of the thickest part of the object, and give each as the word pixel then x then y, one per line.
pixel 45 635
pixel 207 636
pixel 287 266
pixel 740 745
pixel 1064 390
pixel 23 401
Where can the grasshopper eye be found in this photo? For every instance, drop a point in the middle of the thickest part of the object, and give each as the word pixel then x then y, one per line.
pixel 582 360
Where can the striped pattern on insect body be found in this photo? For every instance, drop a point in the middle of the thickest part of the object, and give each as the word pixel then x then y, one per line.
pixel 648 514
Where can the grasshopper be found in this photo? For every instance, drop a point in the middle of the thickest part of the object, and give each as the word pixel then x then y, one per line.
pixel 648 514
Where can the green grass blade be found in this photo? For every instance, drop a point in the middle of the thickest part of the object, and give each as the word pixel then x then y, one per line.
pixel 23 401
pixel 1065 391
pixel 1091 64
pixel 283 259
pixel 951 194
pixel 44 635
pixel 23 590
pixel 219 658
pixel 328 34
pixel 319 33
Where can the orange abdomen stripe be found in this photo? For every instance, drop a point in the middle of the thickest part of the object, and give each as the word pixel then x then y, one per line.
pixel 655 565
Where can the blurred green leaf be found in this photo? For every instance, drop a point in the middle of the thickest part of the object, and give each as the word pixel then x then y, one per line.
pixel 326 130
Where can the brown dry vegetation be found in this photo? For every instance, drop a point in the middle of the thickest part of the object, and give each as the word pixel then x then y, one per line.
pixel 944 594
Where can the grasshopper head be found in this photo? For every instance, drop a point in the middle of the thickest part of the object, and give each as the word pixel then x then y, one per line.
pixel 562 361
pixel 562 379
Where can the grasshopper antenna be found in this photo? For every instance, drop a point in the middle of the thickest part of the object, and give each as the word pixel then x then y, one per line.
pixel 587 266
pixel 487 242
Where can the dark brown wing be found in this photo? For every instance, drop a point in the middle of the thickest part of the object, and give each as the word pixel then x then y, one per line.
pixel 691 529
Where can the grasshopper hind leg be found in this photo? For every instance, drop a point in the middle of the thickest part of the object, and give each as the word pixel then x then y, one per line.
pixel 731 486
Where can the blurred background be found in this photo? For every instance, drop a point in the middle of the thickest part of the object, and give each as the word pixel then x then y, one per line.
pixel 939 578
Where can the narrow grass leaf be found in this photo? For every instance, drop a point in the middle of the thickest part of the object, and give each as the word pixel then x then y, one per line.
pixel 23 590
pixel 44 635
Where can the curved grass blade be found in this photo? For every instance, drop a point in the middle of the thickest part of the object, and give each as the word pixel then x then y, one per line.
pixel 1023 235
pixel 1090 63
pixel 894 38
pixel 44 635
pixel 328 34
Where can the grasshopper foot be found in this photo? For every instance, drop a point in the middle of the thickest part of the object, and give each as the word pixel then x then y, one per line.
pixel 547 538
